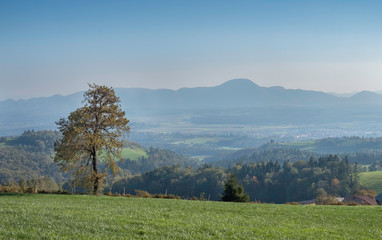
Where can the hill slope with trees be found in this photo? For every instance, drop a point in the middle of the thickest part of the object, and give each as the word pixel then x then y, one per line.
pixel 364 151
pixel 264 181
pixel 30 155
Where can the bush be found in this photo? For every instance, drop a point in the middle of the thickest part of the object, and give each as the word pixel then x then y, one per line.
pixel 159 195
pixel 11 189
pixel 351 203
pixel 165 196
pixel 326 200
pixel 62 192
pixel 365 192
pixel 171 196
pixel 142 194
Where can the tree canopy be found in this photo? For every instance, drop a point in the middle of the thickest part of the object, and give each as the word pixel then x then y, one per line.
pixel 92 133
pixel 264 181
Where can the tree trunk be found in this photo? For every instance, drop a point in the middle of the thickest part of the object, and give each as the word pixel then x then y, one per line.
pixel 95 171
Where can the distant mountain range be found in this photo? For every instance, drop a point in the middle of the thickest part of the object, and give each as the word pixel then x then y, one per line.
pixel 236 101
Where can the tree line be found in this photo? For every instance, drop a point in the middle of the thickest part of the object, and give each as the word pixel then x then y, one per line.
pixel 264 181
pixel 273 152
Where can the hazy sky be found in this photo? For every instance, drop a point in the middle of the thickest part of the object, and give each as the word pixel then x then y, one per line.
pixel 57 47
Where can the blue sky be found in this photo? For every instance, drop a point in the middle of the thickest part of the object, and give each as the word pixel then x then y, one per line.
pixel 57 47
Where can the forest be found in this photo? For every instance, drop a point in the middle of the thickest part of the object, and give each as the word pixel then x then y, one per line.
pixel 269 173
pixel 264 181
pixel 30 156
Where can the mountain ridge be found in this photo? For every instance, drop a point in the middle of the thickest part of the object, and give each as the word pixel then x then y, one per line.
pixel 241 81
pixel 237 101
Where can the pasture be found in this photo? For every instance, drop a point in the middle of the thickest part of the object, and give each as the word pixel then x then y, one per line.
pixel 133 153
pixel 28 216
pixel 372 180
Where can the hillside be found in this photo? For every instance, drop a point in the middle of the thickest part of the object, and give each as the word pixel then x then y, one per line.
pixel 364 151
pixel 256 155
pixel 264 181
pixel 30 155
pixel 337 145
pixel 372 180
pixel 90 217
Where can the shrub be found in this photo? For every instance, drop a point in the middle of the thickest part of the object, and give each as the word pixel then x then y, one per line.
pixel 171 196
pixel 62 192
pixel 351 203
pixel 117 195
pixel 326 200
pixel 142 194
pixel 365 192
pixel 165 196
pixel 158 195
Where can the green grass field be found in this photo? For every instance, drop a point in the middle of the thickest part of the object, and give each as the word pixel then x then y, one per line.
pixel 134 153
pixel 372 180
pixel 91 217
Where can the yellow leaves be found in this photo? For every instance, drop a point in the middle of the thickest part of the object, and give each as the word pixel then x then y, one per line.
pixel 99 125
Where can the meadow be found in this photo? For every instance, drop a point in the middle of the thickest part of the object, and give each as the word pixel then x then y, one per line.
pixel 131 152
pixel 134 153
pixel 372 180
pixel 101 217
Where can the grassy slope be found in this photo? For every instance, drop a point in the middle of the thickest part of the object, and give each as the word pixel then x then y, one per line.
pixel 89 217
pixel 372 180
pixel 134 153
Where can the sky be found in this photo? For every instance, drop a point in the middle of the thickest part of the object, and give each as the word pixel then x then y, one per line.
pixel 58 47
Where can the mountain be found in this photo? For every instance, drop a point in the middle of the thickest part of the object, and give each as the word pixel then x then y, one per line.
pixel 238 101
pixel 366 98
pixel 238 93
pixel 35 113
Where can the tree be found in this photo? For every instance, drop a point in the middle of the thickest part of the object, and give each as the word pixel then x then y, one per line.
pixel 354 179
pixel 91 132
pixel 233 192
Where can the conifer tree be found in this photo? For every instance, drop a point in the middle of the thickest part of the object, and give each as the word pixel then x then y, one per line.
pixel 233 192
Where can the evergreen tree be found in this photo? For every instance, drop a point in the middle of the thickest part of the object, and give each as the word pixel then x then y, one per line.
pixel 233 192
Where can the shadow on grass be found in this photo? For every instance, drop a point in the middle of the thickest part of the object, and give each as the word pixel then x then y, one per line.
pixel 5 194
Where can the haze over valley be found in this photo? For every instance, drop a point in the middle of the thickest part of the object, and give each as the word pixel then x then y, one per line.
pixel 190 119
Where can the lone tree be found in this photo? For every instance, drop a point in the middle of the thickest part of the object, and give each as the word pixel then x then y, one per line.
pixel 233 192
pixel 95 130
